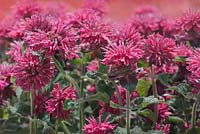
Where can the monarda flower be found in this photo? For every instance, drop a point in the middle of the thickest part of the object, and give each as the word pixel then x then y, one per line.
pixel 98 127
pixel 6 72
pixel 147 21
pixel 54 105
pixel 189 26
pixel 165 128
pixel 95 33
pixel 93 66
pixel 26 8
pixel 31 72
pixel 194 63
pixel 159 50
pixel 122 55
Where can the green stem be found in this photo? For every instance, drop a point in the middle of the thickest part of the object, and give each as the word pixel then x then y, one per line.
pixel 32 130
pixel 127 112
pixel 194 109
pixel 56 126
pixel 81 105
pixel 155 92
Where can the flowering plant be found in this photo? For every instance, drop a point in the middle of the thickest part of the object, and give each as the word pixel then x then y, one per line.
pixel 78 72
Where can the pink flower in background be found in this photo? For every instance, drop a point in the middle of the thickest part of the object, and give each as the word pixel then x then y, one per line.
pixel 26 8
pixel 91 88
pixel 147 21
pixel 96 33
pixel 98 127
pixel 163 111
pixel 164 128
pixel 15 50
pixel 93 65
pixel 55 104
pixel 184 50
pixel 6 71
pixel 194 63
pixel 189 25
pixel 122 55
pixel 159 50
pixel 31 72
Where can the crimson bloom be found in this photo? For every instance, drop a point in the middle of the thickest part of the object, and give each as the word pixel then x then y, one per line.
pixel 98 127
pixel 40 102
pixel 189 25
pixel 159 50
pixel 54 105
pixel 31 72
pixel 122 55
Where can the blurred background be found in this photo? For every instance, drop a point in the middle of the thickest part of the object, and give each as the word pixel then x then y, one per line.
pixel 120 9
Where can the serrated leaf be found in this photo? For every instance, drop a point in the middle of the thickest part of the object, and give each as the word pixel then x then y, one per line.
pixel 143 87
pixel 102 68
pixel 115 105
pixel 179 59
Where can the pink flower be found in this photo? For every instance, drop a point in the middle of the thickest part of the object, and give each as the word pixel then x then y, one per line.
pixel 93 65
pixel 32 72
pixel 189 25
pixel 163 111
pixel 122 55
pixel 15 50
pixel 159 50
pixel 194 63
pixel 91 88
pixel 26 8
pixel 6 71
pixel 164 128
pixel 95 33
pixel 98 127
pixel 184 51
pixel 147 21
pixel 54 105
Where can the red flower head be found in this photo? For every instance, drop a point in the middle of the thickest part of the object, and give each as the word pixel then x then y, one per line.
pixel 26 8
pixel 99 6
pixel 6 71
pixel 56 102
pixel 98 127
pixel 15 50
pixel 147 21
pixel 122 55
pixel 95 33
pixel 189 25
pixel 159 50
pixel 32 72
pixel 164 128
pixel 193 66
pixel 194 63
pixel 93 65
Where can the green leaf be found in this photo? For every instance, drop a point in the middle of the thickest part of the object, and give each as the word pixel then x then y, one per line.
pixel 193 131
pixel 105 87
pixel 164 78
pixel 147 113
pixel 137 130
pixel 143 87
pixel 19 92
pixel 143 102
pixel 142 64
pixel 115 105
pixel 130 87
pixel 70 104
pixel 175 119
pixel 99 96
pixel 180 59
pixel 5 114
pixel 102 68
